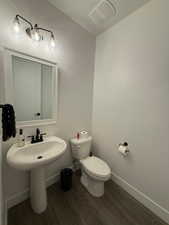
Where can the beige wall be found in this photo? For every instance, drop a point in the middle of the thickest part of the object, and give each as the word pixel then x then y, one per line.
pixel 131 101
pixel 74 54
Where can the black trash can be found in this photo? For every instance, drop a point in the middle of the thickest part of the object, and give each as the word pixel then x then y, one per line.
pixel 66 179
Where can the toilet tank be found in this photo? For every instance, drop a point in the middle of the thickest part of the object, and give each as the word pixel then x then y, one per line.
pixel 81 147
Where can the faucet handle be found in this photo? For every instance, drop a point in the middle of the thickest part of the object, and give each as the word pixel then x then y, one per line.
pixel 32 138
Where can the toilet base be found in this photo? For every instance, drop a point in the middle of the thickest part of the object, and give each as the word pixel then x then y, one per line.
pixel 94 187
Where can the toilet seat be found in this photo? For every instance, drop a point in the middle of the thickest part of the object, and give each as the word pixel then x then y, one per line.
pixel 96 168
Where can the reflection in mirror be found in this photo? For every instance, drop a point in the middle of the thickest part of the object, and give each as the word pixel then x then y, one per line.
pixel 33 89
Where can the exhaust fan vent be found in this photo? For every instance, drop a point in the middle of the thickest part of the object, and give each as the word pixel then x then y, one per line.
pixel 103 11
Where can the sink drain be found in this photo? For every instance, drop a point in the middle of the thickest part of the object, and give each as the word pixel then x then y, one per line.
pixel 40 157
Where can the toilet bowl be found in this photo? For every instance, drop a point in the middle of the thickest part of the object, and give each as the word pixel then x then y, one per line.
pixel 94 173
pixel 94 170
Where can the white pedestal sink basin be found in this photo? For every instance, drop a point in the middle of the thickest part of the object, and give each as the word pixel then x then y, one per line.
pixel 35 157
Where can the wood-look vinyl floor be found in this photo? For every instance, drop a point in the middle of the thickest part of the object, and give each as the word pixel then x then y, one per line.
pixel 78 207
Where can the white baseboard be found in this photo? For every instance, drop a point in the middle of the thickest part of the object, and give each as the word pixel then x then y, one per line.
pixel 141 197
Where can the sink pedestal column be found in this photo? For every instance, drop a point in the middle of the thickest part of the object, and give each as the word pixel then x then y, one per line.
pixel 38 190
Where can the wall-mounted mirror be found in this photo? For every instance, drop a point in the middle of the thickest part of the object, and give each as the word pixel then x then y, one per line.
pixel 31 86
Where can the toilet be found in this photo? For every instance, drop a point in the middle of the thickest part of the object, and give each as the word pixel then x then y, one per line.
pixel 94 170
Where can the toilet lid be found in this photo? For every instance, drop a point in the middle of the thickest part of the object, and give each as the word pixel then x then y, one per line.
pixel 96 167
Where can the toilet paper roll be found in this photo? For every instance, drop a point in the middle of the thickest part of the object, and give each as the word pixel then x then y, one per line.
pixel 123 150
pixel 84 134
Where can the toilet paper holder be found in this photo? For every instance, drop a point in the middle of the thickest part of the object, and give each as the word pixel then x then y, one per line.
pixel 123 149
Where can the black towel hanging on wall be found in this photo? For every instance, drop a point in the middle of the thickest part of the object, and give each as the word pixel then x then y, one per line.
pixel 8 122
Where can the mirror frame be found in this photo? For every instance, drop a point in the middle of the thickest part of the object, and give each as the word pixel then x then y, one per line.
pixel 8 80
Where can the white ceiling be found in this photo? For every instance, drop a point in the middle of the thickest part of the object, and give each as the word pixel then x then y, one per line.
pixel 79 10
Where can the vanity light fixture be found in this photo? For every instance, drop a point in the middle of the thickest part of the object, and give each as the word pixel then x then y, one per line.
pixel 33 31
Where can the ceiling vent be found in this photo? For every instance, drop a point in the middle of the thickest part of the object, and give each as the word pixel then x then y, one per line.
pixel 103 11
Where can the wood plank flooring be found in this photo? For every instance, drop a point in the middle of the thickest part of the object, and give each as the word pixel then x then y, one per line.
pixel 78 207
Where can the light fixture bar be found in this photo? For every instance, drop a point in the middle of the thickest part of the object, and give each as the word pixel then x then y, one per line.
pixel 33 31
pixel 25 20
pixel 49 31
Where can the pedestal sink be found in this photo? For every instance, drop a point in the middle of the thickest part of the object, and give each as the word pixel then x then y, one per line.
pixel 35 157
